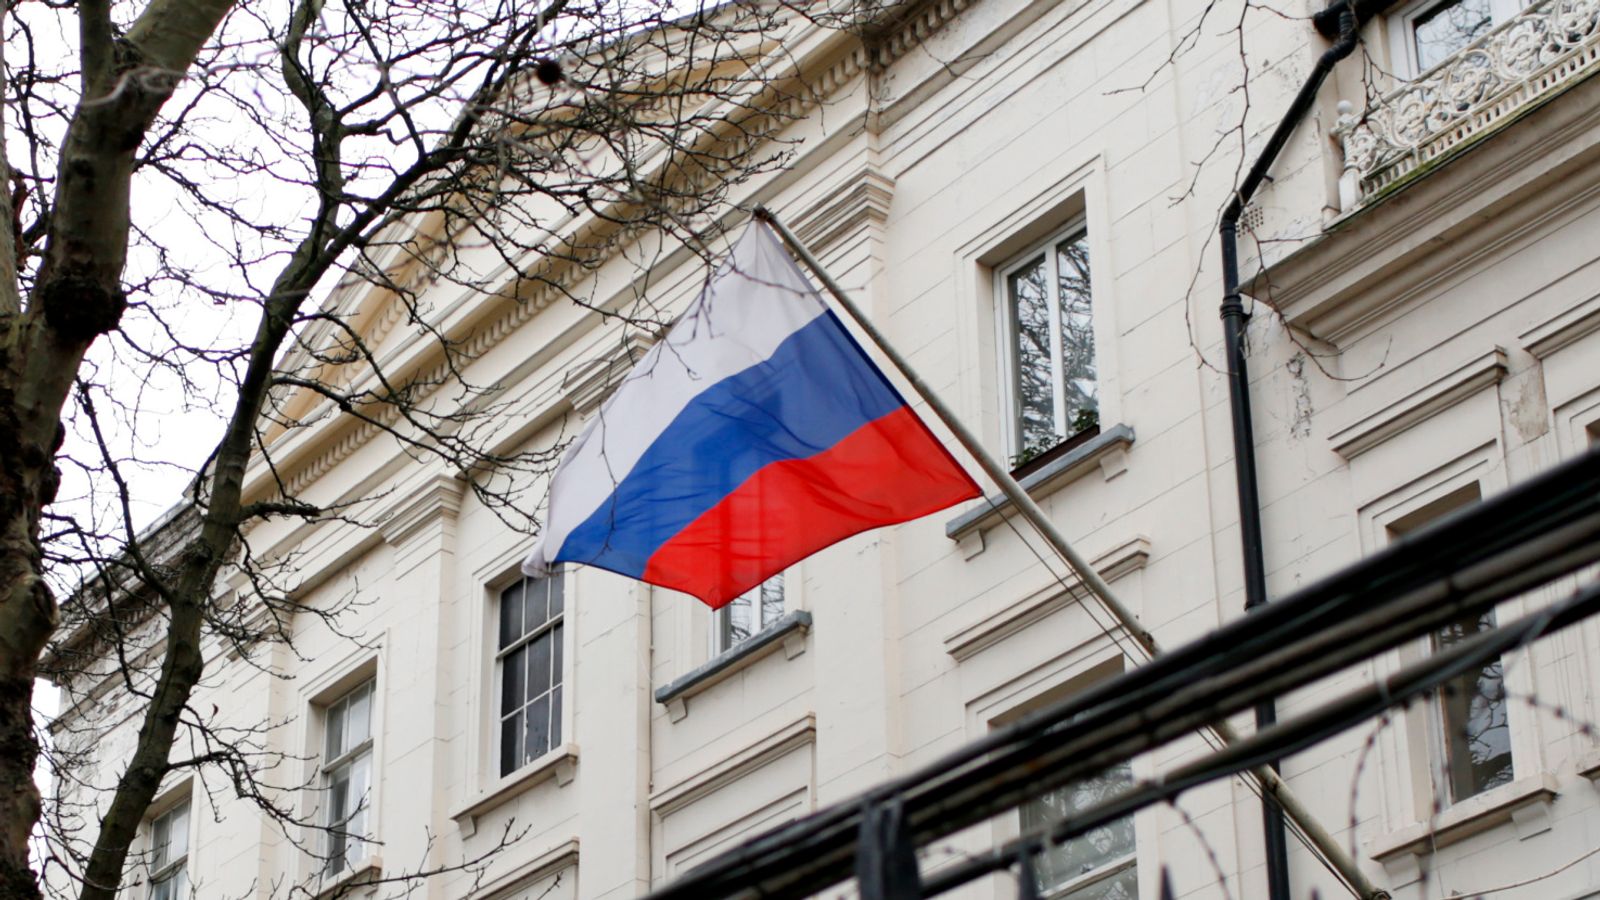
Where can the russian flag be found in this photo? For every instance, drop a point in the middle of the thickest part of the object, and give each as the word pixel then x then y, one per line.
pixel 754 434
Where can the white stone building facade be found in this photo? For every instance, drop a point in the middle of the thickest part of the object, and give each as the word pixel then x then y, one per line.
pixel 1428 332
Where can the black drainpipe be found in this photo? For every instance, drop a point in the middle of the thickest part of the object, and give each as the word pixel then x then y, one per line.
pixel 1244 447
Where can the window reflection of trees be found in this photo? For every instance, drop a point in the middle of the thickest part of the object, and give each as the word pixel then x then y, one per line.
pixel 1473 707
pixel 1052 345
pixel 1449 27
pixel 1110 845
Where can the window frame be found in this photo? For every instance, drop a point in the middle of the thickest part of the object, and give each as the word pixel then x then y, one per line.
pixel 328 770
pixel 498 655
pixel 1402 31
pixel 1080 669
pixel 1074 228
pixel 164 872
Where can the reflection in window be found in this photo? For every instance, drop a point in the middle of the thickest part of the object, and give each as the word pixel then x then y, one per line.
pixel 1097 865
pixel 169 857
pixel 347 777
pixel 747 614
pixel 1472 706
pixel 1051 345
pixel 1448 27
pixel 529 664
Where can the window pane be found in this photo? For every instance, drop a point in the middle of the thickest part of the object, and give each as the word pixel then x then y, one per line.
pixel 510 614
pixel 333 745
pixel 538 741
pixel 555 655
pixel 1477 736
pixel 338 795
pixel 1085 853
pixel 741 619
pixel 1447 28
pixel 772 600
pixel 556 600
pixel 159 841
pixel 513 680
pixel 555 717
pixel 1077 335
pixel 178 833
pixel 539 665
pixel 1031 350
pixel 537 609
pixel 510 743
pixel 361 801
pixel 359 717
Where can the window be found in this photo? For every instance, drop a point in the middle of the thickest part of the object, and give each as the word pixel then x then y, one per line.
pixel 529 664
pixel 1427 33
pixel 1474 735
pixel 1098 865
pixel 1472 715
pixel 169 854
pixel 747 614
pixel 347 778
pixel 1049 334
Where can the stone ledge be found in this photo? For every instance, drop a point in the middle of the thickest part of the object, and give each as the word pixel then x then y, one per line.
pixel 1525 801
pixel 366 871
pixel 1107 451
pixel 560 764
pixel 789 632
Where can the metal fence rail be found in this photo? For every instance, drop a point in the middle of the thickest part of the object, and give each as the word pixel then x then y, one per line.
pixel 1540 530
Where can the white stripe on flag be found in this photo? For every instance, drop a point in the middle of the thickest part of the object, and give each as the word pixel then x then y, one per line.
pixel 757 298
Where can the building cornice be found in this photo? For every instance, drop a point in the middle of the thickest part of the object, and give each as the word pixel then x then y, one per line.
pixel 831 60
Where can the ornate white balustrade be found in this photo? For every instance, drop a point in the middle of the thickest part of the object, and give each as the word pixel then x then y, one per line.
pixel 1547 47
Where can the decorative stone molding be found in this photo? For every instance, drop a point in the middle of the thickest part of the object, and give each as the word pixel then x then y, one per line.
pixel 862 200
pixel 1567 327
pixel 588 384
pixel 1126 557
pixel 736 765
pixel 1517 66
pixel 789 632
pixel 561 856
pixel 439 496
pixel 1420 405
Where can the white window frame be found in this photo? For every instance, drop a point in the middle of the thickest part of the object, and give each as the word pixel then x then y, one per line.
pixel 165 872
pixel 1402 29
pixel 1011 409
pixel 1089 664
pixel 761 617
pixel 337 860
pixel 559 680
pixel 1441 502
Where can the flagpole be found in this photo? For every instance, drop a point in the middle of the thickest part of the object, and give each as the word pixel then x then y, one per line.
pixel 1271 782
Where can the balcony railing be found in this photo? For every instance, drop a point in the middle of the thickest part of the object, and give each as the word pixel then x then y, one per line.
pixel 1528 59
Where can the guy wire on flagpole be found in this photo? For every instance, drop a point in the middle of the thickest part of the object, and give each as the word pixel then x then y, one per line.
pixel 1271 782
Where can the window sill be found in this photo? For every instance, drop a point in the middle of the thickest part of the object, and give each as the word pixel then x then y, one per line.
pixel 1525 801
pixel 560 764
pixel 1107 451
pixel 789 632
pixel 366 871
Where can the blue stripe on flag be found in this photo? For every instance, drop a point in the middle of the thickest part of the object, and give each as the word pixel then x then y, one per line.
pixel 815 389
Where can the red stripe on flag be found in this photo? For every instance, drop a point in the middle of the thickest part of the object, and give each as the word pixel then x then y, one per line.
pixel 889 470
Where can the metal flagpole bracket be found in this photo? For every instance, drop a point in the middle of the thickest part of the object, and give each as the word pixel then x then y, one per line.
pixel 1271 783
